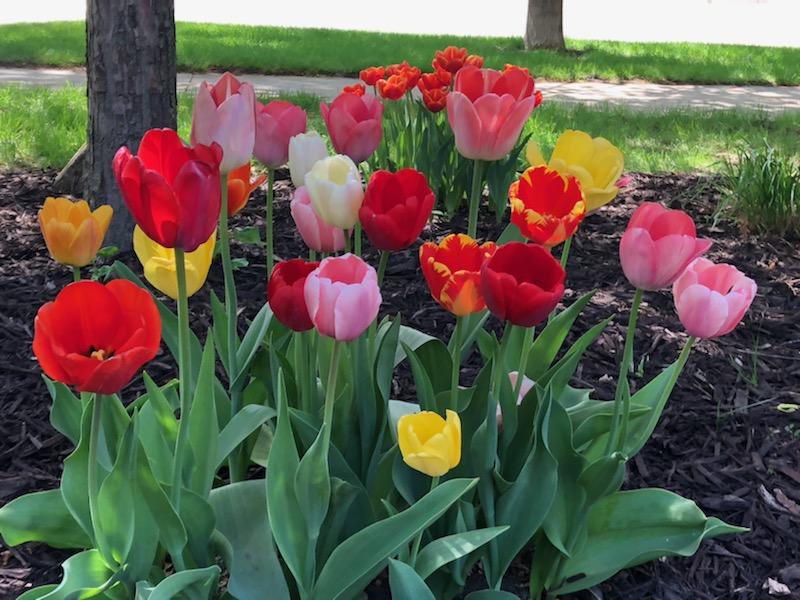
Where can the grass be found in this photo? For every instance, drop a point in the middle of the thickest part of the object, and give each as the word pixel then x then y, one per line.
pixel 42 127
pixel 262 49
pixel 761 190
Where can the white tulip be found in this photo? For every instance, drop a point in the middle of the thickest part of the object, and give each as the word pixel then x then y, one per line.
pixel 305 149
pixel 334 185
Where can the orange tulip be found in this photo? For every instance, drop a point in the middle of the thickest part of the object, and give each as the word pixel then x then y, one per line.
pixel 357 88
pixel 546 206
pixel 452 269
pixel 72 231
pixel 475 60
pixel 450 59
pixel 371 75
pixel 240 186
pixel 435 100
pixel 411 74
pixel 393 88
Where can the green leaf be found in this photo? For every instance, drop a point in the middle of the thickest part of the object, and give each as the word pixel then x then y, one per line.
pixel 425 393
pixel 75 477
pixel 405 584
pixel 243 423
pixel 41 517
pixel 241 513
pixel 84 575
pixel 203 428
pixel 452 547
pixel 634 527
pixel 413 338
pixel 491 595
pixel 363 555
pixel 220 331
pixel 38 592
pixel 251 343
pixel 384 362
pixel 312 485
pixel 248 235
pixel 65 414
pixel 194 584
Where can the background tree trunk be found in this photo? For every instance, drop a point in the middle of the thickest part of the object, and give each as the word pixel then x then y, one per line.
pixel 130 69
pixel 545 26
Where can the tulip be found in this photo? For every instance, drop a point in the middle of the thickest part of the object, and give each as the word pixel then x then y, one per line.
pixel 435 100
pixel 316 233
pixel 357 88
pixel 354 124
pixel 545 206
pixel 405 70
pixel 305 149
pixel 72 231
pixel 240 186
pixel 658 245
pixel 487 110
pixel 172 191
pixel 342 297
pixel 595 162
pixel 451 59
pixel 393 88
pixel 225 113
pixel 452 270
pixel 276 123
pixel 396 208
pixel 96 337
pixel 522 283
pixel 159 267
pixel 334 186
pixel 286 293
pixel 430 444
pixel 474 60
pixel 433 81
pixel 711 299
pixel 371 75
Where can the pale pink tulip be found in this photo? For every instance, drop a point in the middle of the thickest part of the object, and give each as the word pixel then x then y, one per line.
pixel 487 110
pixel 225 113
pixel 658 245
pixel 354 124
pixel 276 123
pixel 316 233
pixel 712 299
pixel 343 297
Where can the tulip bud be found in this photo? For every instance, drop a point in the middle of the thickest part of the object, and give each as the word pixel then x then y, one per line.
pixel 334 185
pixel 73 233
pixel 305 149
pixel 430 444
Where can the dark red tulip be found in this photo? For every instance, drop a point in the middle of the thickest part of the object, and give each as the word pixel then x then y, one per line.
pixel 286 295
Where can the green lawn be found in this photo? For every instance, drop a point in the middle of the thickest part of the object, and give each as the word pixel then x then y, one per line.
pixel 326 51
pixel 43 127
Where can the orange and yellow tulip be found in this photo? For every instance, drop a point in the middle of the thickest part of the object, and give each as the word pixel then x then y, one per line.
pixel 72 231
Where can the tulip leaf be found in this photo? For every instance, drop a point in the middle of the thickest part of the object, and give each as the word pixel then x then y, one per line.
pixel 241 425
pixel 452 547
pixel 65 414
pixel 241 516
pixel 85 576
pixel 251 343
pixel 312 484
pixel 363 555
pixel 203 428
pixel 633 527
pixel 405 584
pixel 75 476
pixel 397 409
pixel 41 517
pixel 425 393
pixel 194 584
pixel 384 361
pixel 220 331
pixel 492 595
pixel 413 338
pixel 38 592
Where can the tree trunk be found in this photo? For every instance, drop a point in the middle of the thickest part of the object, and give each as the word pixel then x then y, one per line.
pixel 130 70
pixel 545 26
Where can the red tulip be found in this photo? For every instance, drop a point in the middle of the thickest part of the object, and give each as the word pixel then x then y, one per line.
pixel 474 60
pixel 285 293
pixel 276 123
pixel 96 337
pixel 522 283
pixel 371 75
pixel 354 124
pixel 432 81
pixel 435 100
pixel 357 88
pixel 411 74
pixel 450 59
pixel 393 88
pixel 396 208
pixel 487 110
pixel 172 191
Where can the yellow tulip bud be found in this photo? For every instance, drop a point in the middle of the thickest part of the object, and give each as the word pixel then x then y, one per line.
pixel 428 443
pixel 72 232
pixel 595 162
pixel 159 264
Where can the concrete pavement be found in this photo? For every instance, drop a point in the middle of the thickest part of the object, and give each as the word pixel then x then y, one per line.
pixel 637 95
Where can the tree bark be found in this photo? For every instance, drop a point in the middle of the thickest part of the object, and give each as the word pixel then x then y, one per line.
pixel 130 69
pixel 545 26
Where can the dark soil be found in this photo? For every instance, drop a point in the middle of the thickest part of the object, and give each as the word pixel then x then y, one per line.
pixel 722 440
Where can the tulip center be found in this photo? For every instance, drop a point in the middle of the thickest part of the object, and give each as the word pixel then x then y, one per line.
pixel 99 354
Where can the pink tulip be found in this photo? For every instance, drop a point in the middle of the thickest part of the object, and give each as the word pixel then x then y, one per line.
pixel 276 123
pixel 712 299
pixel 316 233
pixel 354 124
pixel 527 386
pixel 225 113
pixel 658 245
pixel 343 297
pixel 487 110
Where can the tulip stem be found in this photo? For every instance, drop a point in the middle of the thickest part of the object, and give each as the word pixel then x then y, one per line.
pixel 357 236
pixel 565 252
pixel 412 559
pixel 76 274
pixel 455 371
pixel 622 399
pixel 475 197
pixel 184 368
pixel 527 342
pixel 270 194
pixel 330 395
pixel 312 255
pixel 348 243
pixel 382 266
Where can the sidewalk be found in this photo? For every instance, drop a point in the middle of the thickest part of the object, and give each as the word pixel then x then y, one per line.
pixel 637 95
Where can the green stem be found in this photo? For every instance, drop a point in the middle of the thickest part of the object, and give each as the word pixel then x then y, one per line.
pixel 76 274
pixel 382 266
pixel 312 255
pixel 412 559
pixel 184 370
pixel 624 367
pixel 94 484
pixel 330 395
pixel 565 252
pixel 475 197
pixel 348 243
pixel 270 194
pixel 455 371
pixel 357 236
pixel 527 342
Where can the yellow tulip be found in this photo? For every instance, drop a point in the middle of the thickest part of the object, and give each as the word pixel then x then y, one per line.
pixel 428 443
pixel 159 264
pixel 72 232
pixel 595 162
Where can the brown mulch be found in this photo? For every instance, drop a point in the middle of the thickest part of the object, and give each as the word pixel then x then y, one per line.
pixel 721 441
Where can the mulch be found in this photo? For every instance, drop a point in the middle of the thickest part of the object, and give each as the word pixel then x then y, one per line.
pixel 722 440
